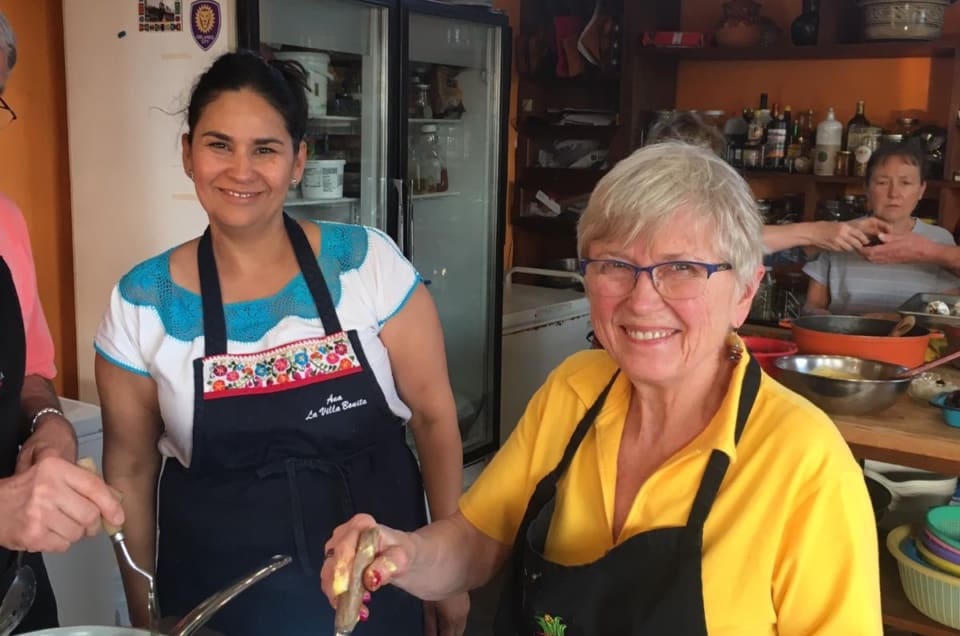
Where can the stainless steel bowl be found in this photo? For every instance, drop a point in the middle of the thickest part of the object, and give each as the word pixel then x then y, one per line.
pixel 872 390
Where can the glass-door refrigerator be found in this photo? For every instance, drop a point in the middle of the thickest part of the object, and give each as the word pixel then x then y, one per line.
pixel 407 133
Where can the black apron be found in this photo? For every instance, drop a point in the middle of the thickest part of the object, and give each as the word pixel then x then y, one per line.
pixel 13 357
pixel 650 584
pixel 276 466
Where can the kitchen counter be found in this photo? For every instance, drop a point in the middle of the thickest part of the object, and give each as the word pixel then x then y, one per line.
pixel 909 433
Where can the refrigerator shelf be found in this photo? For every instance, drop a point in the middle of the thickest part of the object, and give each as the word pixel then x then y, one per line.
pixel 413 120
pixel 330 119
pixel 295 203
pixel 435 195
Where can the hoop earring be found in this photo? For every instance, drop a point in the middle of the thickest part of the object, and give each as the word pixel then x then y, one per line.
pixel 294 182
pixel 735 351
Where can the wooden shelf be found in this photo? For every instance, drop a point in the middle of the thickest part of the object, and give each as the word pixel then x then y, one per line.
pixel 867 50
pixel 897 610
pixel 572 178
pixel 807 178
pixel 538 128
pixel 562 223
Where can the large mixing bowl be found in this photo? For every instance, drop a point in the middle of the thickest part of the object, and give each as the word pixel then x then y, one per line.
pixel 842 385
pixel 861 338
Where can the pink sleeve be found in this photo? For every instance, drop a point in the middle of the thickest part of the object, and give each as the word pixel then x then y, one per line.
pixel 15 250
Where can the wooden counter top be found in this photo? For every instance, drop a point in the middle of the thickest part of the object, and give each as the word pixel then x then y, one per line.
pixel 911 433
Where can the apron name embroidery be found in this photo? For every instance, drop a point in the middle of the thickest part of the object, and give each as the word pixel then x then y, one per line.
pixel 301 362
pixel 335 404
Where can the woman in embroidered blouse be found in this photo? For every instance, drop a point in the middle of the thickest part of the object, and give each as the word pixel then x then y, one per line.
pixel 255 381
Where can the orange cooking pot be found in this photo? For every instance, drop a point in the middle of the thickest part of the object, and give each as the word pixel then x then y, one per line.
pixel 860 338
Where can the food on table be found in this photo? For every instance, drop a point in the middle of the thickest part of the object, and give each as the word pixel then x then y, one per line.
pixel 938 307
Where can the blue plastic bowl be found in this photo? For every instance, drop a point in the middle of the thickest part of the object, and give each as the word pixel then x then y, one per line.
pixel 950 415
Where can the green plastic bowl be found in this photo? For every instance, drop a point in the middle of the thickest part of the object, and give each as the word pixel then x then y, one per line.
pixel 944 522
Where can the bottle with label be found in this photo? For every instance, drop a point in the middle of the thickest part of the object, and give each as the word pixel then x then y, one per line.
pixel 775 149
pixel 856 127
pixel 829 143
pixel 753 147
pixel 763 112
pixel 795 147
pixel 735 133
pixel 863 152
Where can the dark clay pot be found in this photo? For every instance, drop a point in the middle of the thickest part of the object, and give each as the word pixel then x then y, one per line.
pixel 806 27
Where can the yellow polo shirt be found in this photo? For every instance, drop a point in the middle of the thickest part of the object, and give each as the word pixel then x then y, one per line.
pixel 790 546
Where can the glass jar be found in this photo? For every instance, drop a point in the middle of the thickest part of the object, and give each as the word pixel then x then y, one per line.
pixel 420 107
pixel 429 174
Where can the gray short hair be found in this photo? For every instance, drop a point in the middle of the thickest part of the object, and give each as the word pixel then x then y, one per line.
pixel 642 194
pixel 8 41
pixel 688 127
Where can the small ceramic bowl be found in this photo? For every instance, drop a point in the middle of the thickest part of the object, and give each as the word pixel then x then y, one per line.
pixel 951 415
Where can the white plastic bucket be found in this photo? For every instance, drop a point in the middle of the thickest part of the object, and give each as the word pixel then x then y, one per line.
pixel 323 179
pixel 317 66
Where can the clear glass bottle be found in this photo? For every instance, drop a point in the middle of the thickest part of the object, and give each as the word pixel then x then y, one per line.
pixel 421 108
pixel 431 172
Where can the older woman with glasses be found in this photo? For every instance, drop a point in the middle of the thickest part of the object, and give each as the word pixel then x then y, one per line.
pixel 663 485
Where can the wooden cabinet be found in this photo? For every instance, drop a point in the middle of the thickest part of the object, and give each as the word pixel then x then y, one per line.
pixel 543 96
pixel 836 72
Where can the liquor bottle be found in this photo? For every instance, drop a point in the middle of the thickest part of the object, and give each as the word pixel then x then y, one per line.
pixel 763 112
pixel 753 147
pixel 795 146
pixel 788 117
pixel 856 127
pixel 775 148
pixel 735 132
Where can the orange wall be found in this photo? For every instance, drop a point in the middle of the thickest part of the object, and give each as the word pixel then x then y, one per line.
pixel 891 88
pixel 34 165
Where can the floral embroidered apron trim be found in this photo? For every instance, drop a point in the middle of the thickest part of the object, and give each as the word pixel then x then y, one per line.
pixel 302 362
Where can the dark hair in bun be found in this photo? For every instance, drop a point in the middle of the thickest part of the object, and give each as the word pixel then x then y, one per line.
pixel 282 83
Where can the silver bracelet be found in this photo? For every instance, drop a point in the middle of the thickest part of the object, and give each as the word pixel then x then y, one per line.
pixel 49 410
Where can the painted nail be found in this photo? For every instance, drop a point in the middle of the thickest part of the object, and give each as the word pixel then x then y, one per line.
pixel 364 613
pixel 366 597
pixel 375 579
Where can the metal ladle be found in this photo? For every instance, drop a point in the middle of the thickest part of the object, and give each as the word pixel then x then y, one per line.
pixel 19 597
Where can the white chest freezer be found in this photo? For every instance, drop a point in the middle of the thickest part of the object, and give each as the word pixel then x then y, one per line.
pixel 542 326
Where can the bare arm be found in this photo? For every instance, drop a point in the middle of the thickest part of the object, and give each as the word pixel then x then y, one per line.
pixel 414 340
pixel 447 557
pixel 54 435
pixel 131 464
pixel 818 299
pixel 913 248
pixel 847 236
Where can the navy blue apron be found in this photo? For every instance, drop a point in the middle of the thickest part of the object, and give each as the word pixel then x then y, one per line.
pixel 13 356
pixel 648 585
pixel 287 444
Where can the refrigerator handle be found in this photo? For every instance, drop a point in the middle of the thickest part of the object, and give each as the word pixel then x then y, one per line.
pixel 401 215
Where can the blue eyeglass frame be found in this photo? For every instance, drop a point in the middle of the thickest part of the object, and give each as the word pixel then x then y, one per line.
pixel 712 268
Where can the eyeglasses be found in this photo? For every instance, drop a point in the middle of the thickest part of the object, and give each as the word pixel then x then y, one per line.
pixel 7 116
pixel 675 280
